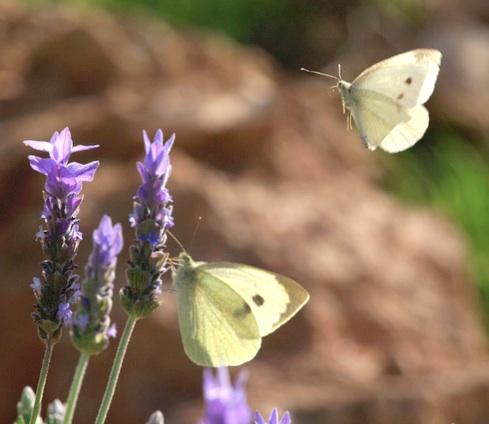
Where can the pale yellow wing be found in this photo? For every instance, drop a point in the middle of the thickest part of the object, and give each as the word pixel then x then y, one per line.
pixel 382 122
pixel 217 326
pixel 407 133
pixel 224 309
pixel 273 298
pixel 386 99
pixel 408 78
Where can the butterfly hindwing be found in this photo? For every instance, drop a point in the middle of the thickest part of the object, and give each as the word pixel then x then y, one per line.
pixel 217 326
pixel 375 116
pixel 407 133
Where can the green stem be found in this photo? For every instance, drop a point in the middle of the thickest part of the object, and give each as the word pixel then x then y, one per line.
pixel 116 369
pixel 76 386
pixel 42 381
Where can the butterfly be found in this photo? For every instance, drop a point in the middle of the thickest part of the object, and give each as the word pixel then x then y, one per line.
pixel 224 309
pixel 386 100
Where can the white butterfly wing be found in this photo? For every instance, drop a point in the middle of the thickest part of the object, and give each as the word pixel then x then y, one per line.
pixel 224 309
pixel 272 298
pixel 217 326
pixel 382 122
pixel 408 78
pixel 407 133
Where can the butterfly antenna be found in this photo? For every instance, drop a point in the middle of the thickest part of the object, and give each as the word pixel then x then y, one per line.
pixel 324 75
pixel 199 220
pixel 174 262
pixel 320 73
pixel 176 240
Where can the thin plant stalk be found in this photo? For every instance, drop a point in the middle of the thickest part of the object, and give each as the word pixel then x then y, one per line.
pixel 116 369
pixel 76 386
pixel 42 381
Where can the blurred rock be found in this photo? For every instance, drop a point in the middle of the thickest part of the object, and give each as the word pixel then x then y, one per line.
pixel 391 333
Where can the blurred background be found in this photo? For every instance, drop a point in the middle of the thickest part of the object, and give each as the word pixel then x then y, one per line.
pixel 393 249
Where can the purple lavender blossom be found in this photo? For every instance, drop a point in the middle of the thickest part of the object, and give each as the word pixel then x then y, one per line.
pixel 225 402
pixel 91 327
pixel 151 218
pixel 273 419
pixel 112 331
pixel 36 286
pixel 61 235
pixel 64 311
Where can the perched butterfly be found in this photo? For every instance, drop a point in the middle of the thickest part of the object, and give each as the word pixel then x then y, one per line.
pixel 386 100
pixel 224 309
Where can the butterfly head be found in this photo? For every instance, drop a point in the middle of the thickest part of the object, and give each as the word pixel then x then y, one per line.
pixel 183 271
pixel 343 87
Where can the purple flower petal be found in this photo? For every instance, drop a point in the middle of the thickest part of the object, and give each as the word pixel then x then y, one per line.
pixel 36 285
pixel 64 311
pixel 83 173
pixel 60 147
pixel 108 241
pixel 157 159
pixel 273 419
pixel 81 321
pixel 112 331
pixel 225 403
pixel 259 419
pixel 61 182
pixel 41 165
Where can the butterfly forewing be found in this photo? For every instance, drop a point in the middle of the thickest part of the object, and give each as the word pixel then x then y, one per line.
pixel 273 298
pixel 408 78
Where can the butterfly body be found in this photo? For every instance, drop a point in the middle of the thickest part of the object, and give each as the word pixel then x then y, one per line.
pixel 224 309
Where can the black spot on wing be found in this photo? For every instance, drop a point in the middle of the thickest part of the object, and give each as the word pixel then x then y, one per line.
pixel 243 311
pixel 258 300
pixel 408 81
pixel 400 96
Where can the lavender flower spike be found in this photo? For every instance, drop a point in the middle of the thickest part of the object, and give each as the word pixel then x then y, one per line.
pixel 91 327
pixel 273 419
pixel 151 218
pixel 60 237
pixel 225 402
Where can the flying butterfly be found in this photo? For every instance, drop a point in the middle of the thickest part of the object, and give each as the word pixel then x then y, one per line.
pixel 386 100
